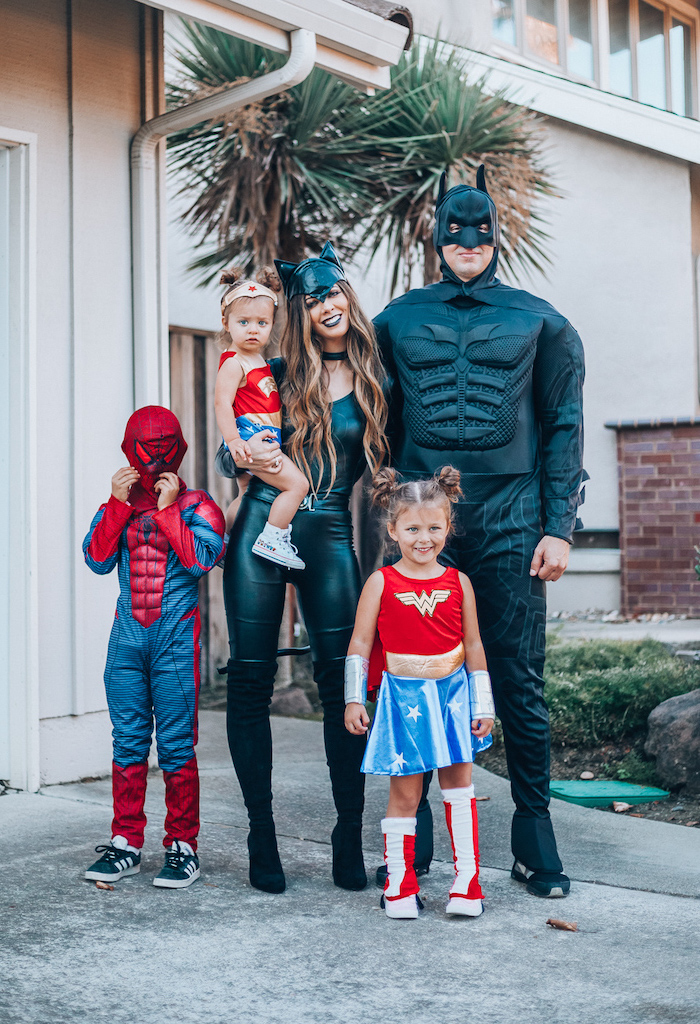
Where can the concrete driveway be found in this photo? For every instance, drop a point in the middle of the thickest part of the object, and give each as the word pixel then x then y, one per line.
pixel 223 952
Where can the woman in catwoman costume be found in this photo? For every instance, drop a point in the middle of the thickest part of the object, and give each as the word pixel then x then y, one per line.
pixel 331 380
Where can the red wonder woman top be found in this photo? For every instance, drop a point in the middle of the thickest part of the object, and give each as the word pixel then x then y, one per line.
pixel 257 396
pixel 420 624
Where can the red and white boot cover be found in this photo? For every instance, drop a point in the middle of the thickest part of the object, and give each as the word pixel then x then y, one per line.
pixel 460 812
pixel 401 889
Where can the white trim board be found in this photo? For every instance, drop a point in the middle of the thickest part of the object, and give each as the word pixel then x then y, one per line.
pixel 22 569
pixel 351 43
pixel 590 107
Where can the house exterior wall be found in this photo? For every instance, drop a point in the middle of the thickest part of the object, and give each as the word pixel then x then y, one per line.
pixel 71 74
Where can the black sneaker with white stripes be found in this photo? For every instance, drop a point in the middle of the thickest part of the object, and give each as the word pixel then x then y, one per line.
pixel 115 862
pixel 548 884
pixel 181 867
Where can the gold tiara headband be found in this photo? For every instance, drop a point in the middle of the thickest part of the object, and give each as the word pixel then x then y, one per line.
pixel 247 290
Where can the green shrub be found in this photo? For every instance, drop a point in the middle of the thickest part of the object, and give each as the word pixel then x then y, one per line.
pixel 603 691
pixel 633 768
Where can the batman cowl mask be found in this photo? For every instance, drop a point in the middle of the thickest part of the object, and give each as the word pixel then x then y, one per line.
pixel 470 212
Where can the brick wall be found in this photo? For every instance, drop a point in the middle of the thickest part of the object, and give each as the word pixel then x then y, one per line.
pixel 659 474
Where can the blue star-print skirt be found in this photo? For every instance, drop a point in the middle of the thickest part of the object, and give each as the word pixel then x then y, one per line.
pixel 421 724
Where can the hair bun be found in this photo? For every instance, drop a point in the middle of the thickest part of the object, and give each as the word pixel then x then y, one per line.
pixel 270 278
pixel 449 481
pixel 384 485
pixel 231 275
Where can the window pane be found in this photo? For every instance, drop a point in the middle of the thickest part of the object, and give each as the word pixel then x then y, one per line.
pixel 651 63
pixel 620 52
pixel 681 102
pixel 503 21
pixel 579 45
pixel 541 29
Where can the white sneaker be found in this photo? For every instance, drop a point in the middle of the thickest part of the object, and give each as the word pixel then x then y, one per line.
pixel 463 907
pixel 280 550
pixel 406 908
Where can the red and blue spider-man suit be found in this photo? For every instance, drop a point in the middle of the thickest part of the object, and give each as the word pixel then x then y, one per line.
pixel 153 656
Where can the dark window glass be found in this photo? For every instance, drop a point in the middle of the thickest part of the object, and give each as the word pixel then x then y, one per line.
pixel 503 21
pixel 620 51
pixel 579 44
pixel 541 31
pixel 651 57
pixel 679 47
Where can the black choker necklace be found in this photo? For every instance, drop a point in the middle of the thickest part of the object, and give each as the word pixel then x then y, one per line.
pixel 330 356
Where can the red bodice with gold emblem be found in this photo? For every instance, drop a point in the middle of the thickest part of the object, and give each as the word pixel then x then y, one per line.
pixel 420 616
pixel 257 397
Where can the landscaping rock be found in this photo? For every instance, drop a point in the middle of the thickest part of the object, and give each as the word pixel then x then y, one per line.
pixel 290 701
pixel 674 740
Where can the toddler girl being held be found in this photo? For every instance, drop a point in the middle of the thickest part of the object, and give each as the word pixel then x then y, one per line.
pixel 246 401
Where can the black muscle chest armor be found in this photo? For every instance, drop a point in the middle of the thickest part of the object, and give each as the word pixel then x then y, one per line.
pixel 465 374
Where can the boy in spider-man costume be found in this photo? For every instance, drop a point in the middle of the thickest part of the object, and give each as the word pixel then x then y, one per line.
pixel 163 537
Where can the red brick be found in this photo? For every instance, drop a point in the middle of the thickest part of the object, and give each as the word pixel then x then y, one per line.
pixel 673 446
pixel 637 446
pixel 690 432
pixel 655 459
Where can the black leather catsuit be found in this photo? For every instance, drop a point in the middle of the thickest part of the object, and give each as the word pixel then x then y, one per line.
pixel 328 590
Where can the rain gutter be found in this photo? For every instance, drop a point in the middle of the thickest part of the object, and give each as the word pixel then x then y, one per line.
pixel 151 362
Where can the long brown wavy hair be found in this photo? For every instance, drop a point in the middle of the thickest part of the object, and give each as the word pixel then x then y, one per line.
pixel 305 395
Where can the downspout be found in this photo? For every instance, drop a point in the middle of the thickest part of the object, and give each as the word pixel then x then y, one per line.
pixel 151 384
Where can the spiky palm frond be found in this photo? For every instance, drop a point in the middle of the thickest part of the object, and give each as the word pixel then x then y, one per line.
pixel 323 160
pixel 258 179
pixel 439 116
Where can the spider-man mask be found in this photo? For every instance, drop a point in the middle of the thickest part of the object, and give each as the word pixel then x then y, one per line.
pixel 153 443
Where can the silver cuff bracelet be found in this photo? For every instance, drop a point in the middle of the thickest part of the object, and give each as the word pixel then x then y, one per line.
pixel 480 695
pixel 356 671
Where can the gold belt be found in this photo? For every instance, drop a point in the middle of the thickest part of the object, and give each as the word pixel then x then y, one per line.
pixel 425 666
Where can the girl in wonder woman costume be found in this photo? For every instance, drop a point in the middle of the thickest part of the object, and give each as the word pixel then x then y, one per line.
pixel 246 401
pixel 430 712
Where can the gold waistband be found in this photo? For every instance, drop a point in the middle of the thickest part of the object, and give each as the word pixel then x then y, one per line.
pixel 425 666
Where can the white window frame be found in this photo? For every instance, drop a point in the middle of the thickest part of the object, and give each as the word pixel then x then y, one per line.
pixel 22 657
pixel 522 55
pixel 678 9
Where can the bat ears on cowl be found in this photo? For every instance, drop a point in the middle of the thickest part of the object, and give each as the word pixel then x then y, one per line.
pixel 481 179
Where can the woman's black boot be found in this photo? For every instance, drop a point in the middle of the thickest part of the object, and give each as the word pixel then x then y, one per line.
pixel 265 871
pixel 348 862
pixel 250 687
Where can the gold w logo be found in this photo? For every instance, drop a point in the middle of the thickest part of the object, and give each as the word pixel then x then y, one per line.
pixel 267 385
pixel 425 603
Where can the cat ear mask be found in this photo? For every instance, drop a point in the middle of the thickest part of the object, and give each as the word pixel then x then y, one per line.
pixel 315 276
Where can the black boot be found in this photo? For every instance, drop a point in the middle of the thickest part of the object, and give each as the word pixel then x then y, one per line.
pixel 265 870
pixel 344 753
pixel 348 862
pixel 250 686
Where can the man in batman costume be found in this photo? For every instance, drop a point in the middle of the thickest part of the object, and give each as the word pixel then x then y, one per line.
pixel 489 379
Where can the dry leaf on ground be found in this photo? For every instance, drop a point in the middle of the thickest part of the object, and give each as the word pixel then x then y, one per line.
pixel 483 797
pixel 104 885
pixel 619 806
pixel 562 926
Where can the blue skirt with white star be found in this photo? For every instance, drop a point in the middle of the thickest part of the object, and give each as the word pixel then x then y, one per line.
pixel 421 724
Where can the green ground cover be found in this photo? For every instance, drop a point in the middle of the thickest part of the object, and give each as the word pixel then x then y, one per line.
pixel 601 692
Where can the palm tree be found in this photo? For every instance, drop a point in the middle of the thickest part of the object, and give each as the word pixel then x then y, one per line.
pixel 437 117
pixel 259 181
pixel 323 160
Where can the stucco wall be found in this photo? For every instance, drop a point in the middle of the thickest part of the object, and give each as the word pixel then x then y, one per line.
pixel 79 91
